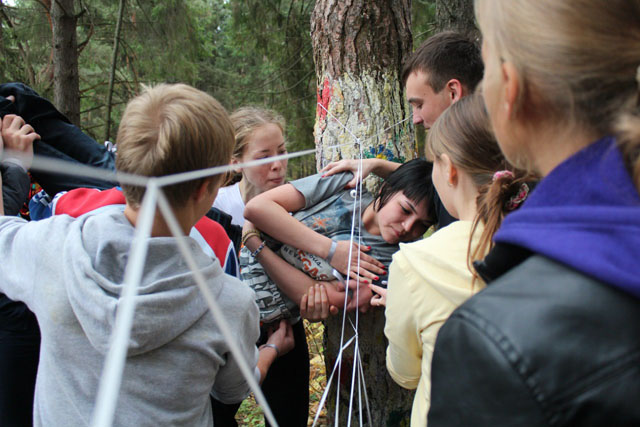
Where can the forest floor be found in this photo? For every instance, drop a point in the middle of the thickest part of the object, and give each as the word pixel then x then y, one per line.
pixel 250 413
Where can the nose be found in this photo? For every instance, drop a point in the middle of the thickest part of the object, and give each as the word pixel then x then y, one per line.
pixel 277 165
pixel 416 117
pixel 408 223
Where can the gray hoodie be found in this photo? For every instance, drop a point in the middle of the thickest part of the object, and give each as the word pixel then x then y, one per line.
pixel 70 272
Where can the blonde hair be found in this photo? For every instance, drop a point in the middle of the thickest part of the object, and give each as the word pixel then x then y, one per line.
pixel 463 132
pixel 246 120
pixel 168 129
pixel 577 61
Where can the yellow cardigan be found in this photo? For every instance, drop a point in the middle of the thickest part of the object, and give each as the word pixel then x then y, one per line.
pixel 428 279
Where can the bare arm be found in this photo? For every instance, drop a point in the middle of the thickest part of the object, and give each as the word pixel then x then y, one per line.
pixel 269 211
pixel 293 282
pixel 380 167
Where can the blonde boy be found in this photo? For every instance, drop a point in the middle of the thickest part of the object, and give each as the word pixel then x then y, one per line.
pixel 69 272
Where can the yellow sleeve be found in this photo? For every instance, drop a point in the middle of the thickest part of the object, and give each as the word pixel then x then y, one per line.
pixel 404 353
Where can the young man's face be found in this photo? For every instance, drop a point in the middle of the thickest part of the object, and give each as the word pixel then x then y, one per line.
pixel 425 103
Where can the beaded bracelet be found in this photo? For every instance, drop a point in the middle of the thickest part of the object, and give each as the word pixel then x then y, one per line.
pixel 248 234
pixel 257 251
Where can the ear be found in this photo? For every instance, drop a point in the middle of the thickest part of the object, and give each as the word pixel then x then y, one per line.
pixel 450 170
pixel 204 189
pixel 235 161
pixel 455 90
pixel 511 84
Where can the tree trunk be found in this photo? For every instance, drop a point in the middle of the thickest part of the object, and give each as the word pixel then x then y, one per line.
pixel 66 84
pixel 359 47
pixel 112 74
pixel 457 15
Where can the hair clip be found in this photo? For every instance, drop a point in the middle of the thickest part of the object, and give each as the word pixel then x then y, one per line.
pixel 517 200
pixel 502 174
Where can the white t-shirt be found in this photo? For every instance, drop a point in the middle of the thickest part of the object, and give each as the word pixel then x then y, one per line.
pixel 229 200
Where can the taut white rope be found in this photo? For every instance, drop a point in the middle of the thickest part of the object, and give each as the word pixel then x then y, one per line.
pixel 114 363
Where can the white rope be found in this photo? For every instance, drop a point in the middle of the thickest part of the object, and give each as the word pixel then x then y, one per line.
pixel 116 357
pixel 119 341
pixel 215 309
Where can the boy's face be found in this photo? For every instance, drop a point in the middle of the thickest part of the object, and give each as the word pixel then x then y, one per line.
pixel 426 105
pixel 402 219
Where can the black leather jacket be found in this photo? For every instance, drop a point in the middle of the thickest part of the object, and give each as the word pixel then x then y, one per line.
pixel 541 345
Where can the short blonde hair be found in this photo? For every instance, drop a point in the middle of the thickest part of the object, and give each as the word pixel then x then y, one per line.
pixel 246 120
pixel 169 129
pixel 577 61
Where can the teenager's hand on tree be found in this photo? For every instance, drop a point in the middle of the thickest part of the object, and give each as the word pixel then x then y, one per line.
pixel 282 337
pixel 349 165
pixel 368 269
pixel 314 305
pixel 19 136
pixel 379 298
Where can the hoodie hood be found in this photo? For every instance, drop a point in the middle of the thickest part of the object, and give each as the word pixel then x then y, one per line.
pixel 168 300
pixel 584 214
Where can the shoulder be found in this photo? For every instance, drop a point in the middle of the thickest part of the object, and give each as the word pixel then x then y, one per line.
pixel 80 201
pixel 444 252
pixel 316 188
pixel 568 339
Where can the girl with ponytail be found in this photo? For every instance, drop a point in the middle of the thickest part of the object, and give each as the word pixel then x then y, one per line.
pixel 430 278
pixel 553 339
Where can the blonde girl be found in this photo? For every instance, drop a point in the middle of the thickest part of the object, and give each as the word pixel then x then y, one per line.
pixel 552 340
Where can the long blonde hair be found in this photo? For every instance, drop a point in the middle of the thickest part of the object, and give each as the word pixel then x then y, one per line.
pixel 577 61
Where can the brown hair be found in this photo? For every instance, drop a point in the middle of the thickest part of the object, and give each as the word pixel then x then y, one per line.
pixel 445 56
pixel 569 72
pixel 463 132
pixel 170 129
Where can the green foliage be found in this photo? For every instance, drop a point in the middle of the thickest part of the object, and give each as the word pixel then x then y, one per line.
pixel 241 51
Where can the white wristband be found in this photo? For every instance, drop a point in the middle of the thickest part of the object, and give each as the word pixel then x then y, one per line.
pixel 332 251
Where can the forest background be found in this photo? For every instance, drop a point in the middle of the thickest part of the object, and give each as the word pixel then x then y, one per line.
pixel 91 56
pixel 249 52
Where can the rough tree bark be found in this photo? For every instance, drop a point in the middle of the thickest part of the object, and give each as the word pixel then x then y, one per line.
pixel 66 87
pixel 359 47
pixel 457 15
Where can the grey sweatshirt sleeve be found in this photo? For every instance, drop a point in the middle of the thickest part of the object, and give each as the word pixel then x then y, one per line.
pixel 18 247
pixel 230 385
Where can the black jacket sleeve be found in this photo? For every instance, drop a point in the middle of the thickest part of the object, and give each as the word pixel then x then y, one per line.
pixel 475 379
pixel 15 188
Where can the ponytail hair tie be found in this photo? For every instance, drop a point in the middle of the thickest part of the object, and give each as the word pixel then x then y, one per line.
pixel 517 200
pixel 502 174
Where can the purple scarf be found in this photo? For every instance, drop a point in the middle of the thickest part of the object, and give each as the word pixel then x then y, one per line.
pixel 584 214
